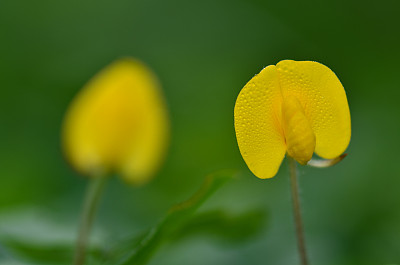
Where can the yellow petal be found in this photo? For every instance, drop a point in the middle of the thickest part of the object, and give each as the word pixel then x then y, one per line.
pixel 257 124
pixel 118 122
pixel 299 136
pixel 324 101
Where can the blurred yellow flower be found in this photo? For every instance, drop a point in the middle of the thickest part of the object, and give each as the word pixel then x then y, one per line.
pixel 118 123
pixel 294 107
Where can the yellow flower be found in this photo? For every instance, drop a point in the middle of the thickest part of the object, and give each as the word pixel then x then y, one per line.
pixel 294 107
pixel 118 123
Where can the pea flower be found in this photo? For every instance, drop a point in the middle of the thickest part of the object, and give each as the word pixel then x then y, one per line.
pixel 295 107
pixel 118 123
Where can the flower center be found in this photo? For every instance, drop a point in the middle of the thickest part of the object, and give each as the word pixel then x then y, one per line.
pixel 299 136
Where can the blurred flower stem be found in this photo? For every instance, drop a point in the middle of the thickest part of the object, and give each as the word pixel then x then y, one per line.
pixel 297 211
pixel 92 198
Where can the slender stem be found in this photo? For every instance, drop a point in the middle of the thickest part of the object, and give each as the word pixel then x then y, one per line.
pixel 92 198
pixel 296 211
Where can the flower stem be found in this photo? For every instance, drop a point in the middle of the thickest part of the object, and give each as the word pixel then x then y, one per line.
pixel 296 211
pixel 92 198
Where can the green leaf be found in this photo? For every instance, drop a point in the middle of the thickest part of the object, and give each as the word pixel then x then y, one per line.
pixel 38 254
pixel 224 226
pixel 29 235
pixel 31 253
pixel 143 248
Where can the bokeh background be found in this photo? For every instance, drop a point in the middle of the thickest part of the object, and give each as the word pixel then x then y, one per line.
pixel 203 53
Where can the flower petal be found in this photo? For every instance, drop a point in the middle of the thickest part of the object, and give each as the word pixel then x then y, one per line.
pixel 299 136
pixel 118 122
pixel 258 124
pixel 324 101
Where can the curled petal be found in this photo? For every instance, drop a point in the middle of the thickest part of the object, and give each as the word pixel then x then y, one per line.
pixel 299 136
pixel 321 163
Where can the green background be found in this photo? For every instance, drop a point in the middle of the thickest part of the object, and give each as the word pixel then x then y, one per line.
pixel 203 53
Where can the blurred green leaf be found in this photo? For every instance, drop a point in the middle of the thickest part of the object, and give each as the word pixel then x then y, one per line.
pixel 143 248
pixel 29 235
pixel 224 226
pixel 40 254
pixel 31 253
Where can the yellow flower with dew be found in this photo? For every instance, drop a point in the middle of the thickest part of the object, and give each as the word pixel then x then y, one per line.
pixel 118 123
pixel 294 107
